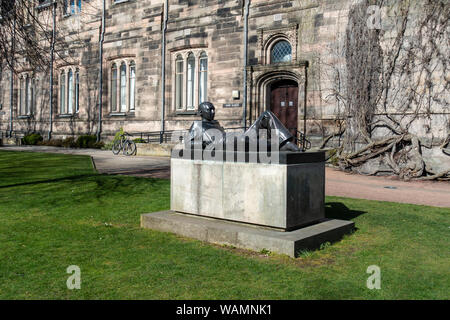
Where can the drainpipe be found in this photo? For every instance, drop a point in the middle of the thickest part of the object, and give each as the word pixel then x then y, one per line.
pixel 52 58
pixel 304 106
pixel 246 14
pixel 163 70
pixel 11 88
pixel 100 93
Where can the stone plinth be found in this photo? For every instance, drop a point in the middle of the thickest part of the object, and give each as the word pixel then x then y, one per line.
pixel 291 243
pixel 276 205
pixel 285 195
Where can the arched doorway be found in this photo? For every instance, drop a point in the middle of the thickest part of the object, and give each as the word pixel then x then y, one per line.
pixel 283 102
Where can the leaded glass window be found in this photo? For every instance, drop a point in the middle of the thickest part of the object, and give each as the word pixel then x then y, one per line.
pixel 281 52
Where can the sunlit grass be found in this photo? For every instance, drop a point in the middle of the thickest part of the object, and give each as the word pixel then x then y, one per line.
pixel 56 211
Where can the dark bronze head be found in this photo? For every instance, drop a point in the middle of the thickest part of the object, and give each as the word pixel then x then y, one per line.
pixel 207 111
pixel 265 120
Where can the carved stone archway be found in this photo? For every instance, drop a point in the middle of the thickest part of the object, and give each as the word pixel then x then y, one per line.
pixel 260 78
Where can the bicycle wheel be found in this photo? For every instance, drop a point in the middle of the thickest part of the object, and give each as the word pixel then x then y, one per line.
pixel 129 148
pixel 117 146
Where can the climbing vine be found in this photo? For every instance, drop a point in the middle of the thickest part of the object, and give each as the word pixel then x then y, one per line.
pixel 396 79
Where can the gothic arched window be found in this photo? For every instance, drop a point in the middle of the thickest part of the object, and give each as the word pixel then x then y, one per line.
pixel 190 79
pixel 123 86
pixel 69 91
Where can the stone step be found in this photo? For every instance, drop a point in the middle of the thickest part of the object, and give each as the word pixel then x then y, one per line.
pixel 247 236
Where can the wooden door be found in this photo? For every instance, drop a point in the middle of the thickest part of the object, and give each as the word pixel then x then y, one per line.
pixel 284 103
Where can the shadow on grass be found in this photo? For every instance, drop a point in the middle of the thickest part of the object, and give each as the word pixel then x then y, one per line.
pixel 158 173
pixel 337 210
pixel 69 178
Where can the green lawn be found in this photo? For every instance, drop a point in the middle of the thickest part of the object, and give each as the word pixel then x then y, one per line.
pixel 55 211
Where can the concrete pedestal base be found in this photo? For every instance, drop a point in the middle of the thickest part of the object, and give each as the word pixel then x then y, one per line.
pixel 246 236
pixel 286 195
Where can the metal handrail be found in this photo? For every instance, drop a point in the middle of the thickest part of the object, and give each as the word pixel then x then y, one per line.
pixel 301 140
pixel 15 134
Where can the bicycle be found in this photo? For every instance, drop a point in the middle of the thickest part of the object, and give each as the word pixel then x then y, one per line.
pixel 124 144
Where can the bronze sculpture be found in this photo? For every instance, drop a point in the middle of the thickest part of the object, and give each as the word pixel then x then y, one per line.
pixel 200 129
pixel 205 131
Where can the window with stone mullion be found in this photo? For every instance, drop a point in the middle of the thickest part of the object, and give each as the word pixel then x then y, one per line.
pixel 123 86
pixel 190 80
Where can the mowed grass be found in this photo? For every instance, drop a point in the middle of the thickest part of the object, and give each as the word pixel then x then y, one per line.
pixel 56 211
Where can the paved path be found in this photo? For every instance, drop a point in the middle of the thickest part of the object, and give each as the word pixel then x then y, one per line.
pixel 391 189
pixel 106 162
pixel 337 183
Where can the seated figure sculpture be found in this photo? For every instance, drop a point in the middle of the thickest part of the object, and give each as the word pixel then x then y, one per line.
pixel 201 129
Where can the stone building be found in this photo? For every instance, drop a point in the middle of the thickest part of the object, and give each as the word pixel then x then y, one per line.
pixel 294 50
